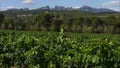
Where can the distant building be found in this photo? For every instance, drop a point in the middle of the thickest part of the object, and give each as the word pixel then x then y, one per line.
pixel 25 15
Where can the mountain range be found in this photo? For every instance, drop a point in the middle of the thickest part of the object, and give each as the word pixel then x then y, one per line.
pixel 60 8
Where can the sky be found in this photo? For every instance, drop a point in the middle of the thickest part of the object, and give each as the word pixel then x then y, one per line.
pixel 33 4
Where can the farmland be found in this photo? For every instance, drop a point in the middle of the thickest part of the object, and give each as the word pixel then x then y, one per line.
pixel 33 49
pixel 59 34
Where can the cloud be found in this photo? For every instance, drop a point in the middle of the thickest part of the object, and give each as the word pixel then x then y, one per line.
pixel 10 7
pixel 28 1
pixel 112 3
pixel 76 7
pixel 116 9
pixel 86 0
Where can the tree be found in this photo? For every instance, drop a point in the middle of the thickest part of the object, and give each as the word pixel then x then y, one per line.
pixel 1 17
pixel 97 22
pixel 57 24
pixel 44 20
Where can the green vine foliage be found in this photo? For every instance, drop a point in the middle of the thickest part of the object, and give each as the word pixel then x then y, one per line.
pixel 58 50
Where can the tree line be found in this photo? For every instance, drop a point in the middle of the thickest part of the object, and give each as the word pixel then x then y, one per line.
pixel 47 21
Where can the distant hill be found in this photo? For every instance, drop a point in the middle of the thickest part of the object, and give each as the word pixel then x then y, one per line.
pixel 97 10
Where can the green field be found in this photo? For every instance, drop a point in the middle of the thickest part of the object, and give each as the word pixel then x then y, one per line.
pixel 24 49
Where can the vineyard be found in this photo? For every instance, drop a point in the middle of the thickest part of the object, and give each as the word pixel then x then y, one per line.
pixel 24 49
